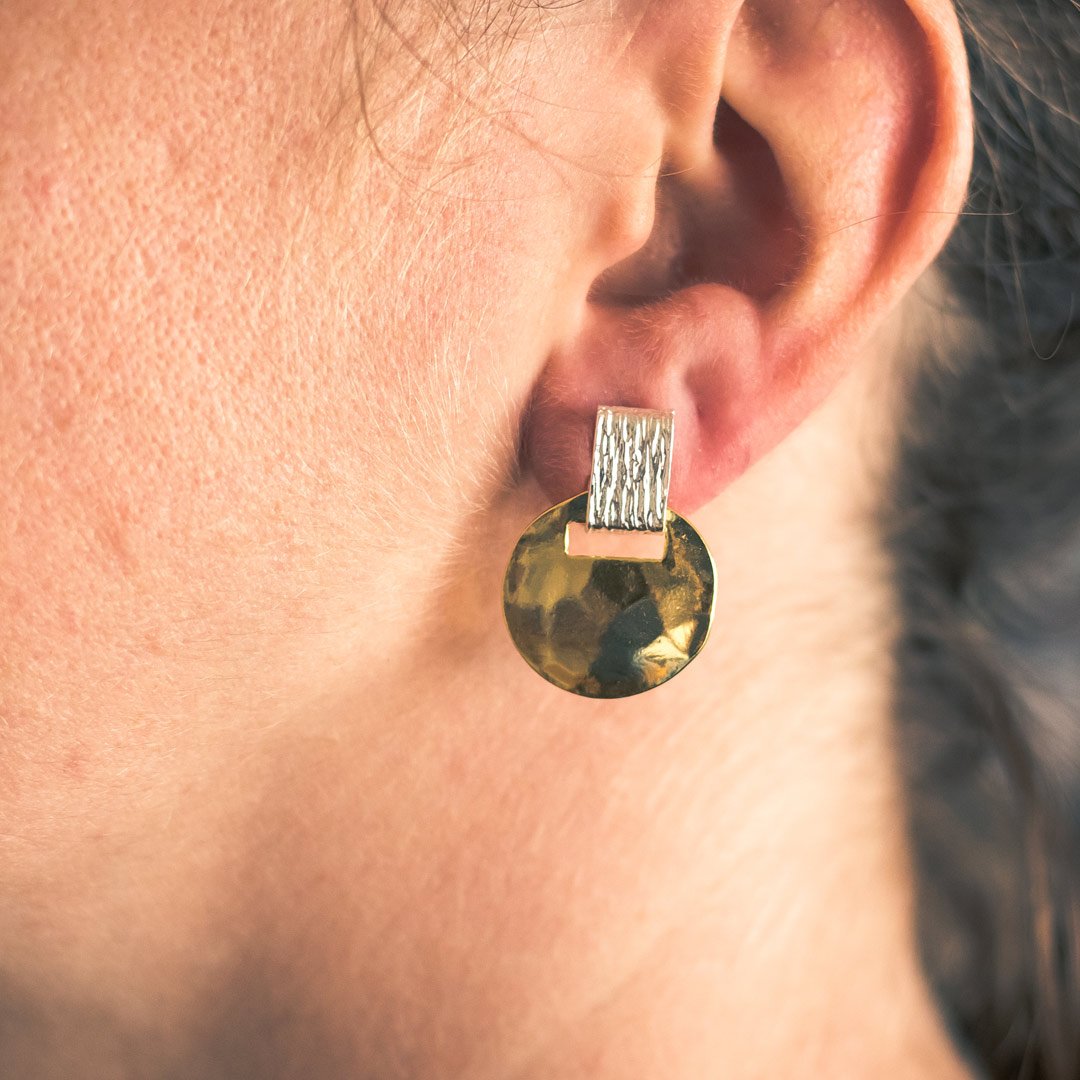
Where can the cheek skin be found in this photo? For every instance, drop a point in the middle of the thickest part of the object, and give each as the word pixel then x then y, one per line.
pixel 257 379
pixel 168 412
pixel 256 385
pixel 253 384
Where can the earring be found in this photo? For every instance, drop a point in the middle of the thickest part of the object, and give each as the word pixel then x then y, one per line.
pixel 609 626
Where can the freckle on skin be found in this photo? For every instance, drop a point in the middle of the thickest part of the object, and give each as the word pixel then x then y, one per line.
pixel 39 190
pixel 113 536
pixel 75 764
pixel 62 417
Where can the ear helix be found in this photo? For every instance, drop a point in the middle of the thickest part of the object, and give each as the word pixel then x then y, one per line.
pixel 613 625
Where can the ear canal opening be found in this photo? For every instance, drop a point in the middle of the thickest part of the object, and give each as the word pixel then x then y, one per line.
pixel 764 246
pixel 728 222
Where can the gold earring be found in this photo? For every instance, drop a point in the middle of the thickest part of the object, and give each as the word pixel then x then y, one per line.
pixel 609 626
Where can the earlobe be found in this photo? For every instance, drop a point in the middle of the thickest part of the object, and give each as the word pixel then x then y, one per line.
pixel 784 230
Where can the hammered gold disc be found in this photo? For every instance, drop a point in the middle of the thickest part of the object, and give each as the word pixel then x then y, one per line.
pixel 607 628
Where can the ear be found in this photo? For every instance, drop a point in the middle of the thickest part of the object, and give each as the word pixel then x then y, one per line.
pixel 806 160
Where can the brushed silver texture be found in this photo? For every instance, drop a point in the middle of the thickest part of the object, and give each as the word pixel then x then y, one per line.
pixel 631 469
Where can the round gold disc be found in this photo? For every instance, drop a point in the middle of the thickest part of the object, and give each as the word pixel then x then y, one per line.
pixel 607 627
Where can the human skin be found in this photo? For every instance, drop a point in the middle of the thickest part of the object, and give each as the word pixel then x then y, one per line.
pixel 289 360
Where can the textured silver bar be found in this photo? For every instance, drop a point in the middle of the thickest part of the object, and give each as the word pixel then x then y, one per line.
pixel 631 469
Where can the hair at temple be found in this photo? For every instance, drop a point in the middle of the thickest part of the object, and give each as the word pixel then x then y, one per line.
pixel 984 527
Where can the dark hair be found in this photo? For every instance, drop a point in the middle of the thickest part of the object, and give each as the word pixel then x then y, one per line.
pixel 984 528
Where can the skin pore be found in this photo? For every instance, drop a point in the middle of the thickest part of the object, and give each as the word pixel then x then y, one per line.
pixel 277 797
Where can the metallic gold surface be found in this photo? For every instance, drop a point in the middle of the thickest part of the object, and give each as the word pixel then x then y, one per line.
pixel 607 628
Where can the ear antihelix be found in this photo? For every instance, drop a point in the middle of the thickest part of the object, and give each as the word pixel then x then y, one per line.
pixel 613 625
